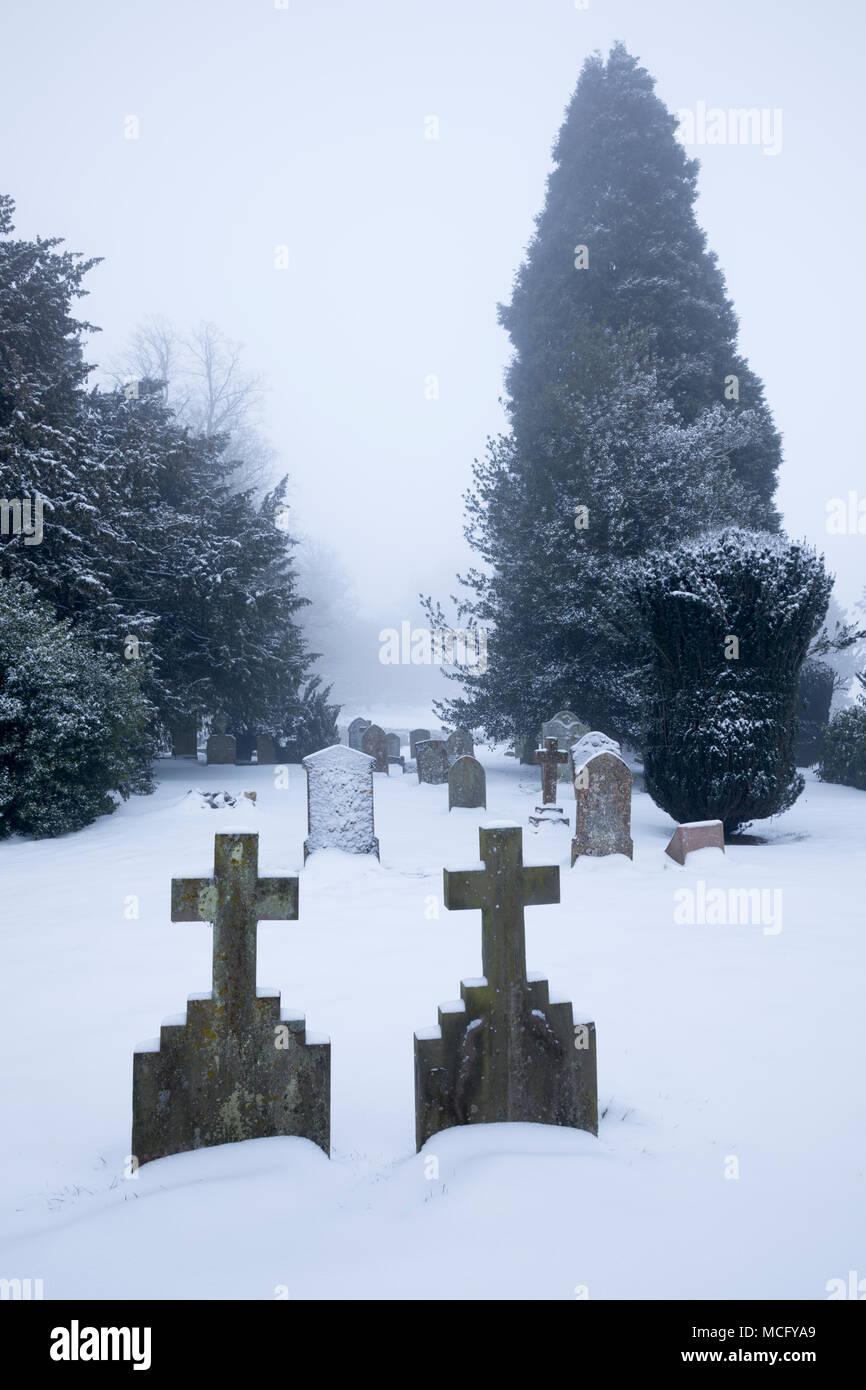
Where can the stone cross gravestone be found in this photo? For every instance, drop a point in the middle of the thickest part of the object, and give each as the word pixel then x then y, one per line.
pixel 504 1051
pixel 566 728
pixel 696 834
pixel 459 744
pixel 431 755
pixel 374 742
pixel 467 783
pixel 602 790
pixel 266 749
pixel 221 747
pixel 356 729
pixel 417 736
pixel 550 758
pixel 340 801
pixel 234 1067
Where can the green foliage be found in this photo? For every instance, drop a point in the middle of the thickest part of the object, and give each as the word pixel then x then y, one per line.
pixel 74 724
pixel 146 532
pixel 721 715
pixel 310 723
pixel 815 696
pixel 843 747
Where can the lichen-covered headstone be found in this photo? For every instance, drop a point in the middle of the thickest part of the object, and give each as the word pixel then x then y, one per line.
pixel 221 747
pixel 602 790
pixel 234 1066
pixel 374 742
pixel 504 1051
pixel 266 749
pixel 340 801
pixel 467 783
pixel 417 736
pixel 356 729
pixel 696 834
pixel 459 744
pixel 431 756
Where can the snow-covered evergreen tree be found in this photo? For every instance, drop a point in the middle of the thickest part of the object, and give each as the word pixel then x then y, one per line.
pixel 628 399
pixel 727 623
pixel 75 728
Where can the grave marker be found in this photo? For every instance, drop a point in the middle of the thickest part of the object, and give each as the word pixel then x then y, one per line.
pixel 696 834
pixel 504 1051
pixel 340 801
pixel 356 729
pixel 602 791
pixel 221 747
pixel 234 1066
pixel 417 736
pixel 431 755
pixel 467 783
pixel 374 742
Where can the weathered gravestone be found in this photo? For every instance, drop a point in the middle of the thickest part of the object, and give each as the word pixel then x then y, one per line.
pixel 566 728
pixel 234 1066
pixel 356 729
pixel 459 744
pixel 374 742
pixel 696 834
pixel 550 759
pixel 340 801
pixel 504 1051
pixel 394 754
pixel 602 790
pixel 431 755
pixel 266 749
pixel 467 783
pixel 417 736
pixel 184 739
pixel 221 747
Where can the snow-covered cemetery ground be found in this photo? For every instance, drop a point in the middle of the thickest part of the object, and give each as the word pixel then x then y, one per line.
pixel 731 1155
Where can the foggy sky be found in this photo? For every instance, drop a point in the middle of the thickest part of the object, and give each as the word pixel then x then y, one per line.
pixel 304 127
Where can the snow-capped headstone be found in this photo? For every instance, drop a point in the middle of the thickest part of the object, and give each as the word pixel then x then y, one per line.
pixel 221 747
pixel 234 1067
pixel 459 744
pixel 374 742
pixel 394 754
pixel 184 739
pixel 566 728
pixel 356 729
pixel 467 783
pixel 698 834
pixel 416 736
pixel 504 1051
pixel 593 742
pixel 266 749
pixel 340 801
pixel 431 756
pixel 602 790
